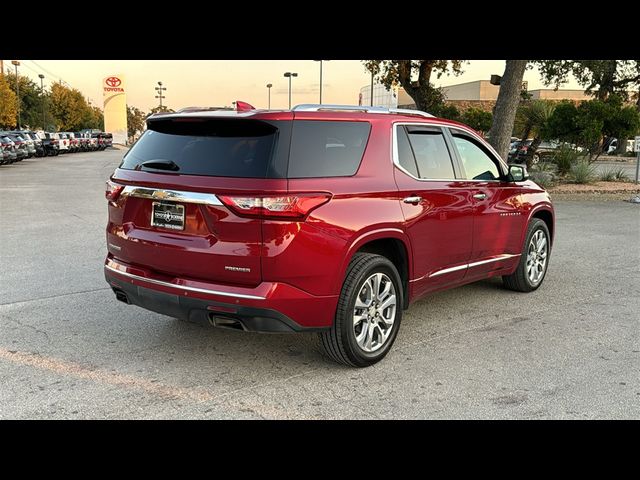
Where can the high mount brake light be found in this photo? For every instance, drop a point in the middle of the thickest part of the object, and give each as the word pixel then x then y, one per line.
pixel 291 206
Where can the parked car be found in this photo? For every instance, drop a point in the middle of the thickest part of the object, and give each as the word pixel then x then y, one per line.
pixel 100 145
pixel 37 142
pixel 24 134
pixel 612 146
pixel 63 142
pixel 74 144
pixel 93 141
pixel 108 140
pixel 324 218
pixel 9 154
pixel 51 144
pixel 83 141
pixel 21 149
pixel 544 152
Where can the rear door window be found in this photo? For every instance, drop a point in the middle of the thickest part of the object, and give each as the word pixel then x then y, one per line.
pixel 211 147
pixel 327 149
pixel 405 153
pixel 431 153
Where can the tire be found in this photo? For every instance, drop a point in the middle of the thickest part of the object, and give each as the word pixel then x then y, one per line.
pixel 520 280
pixel 340 342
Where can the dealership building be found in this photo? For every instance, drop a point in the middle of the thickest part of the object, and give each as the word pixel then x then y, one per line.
pixel 479 94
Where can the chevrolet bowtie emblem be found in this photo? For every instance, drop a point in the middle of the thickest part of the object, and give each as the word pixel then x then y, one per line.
pixel 161 194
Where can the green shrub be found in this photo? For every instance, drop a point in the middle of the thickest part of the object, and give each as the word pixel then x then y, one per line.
pixel 608 175
pixel 621 175
pixel 583 172
pixel 614 175
pixel 544 167
pixel 544 181
pixel 565 158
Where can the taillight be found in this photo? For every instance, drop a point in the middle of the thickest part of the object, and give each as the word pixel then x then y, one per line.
pixel 292 206
pixel 113 191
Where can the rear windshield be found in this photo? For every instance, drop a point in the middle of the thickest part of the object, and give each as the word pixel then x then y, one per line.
pixel 211 147
pixel 249 148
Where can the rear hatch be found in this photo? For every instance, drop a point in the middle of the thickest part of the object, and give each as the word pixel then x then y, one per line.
pixel 166 212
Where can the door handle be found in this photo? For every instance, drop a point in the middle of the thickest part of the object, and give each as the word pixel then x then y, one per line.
pixel 412 200
pixel 480 196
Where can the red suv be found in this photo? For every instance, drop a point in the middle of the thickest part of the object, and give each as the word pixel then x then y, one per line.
pixel 323 218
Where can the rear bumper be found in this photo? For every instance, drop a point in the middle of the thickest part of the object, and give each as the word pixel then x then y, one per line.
pixel 268 307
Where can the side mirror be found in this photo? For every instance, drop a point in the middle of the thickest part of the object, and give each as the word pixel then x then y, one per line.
pixel 518 173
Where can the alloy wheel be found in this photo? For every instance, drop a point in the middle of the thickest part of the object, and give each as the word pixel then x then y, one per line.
pixel 374 312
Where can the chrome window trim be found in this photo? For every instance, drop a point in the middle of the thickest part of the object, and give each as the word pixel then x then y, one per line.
pixel 504 256
pixel 183 287
pixel 171 195
pixel 396 158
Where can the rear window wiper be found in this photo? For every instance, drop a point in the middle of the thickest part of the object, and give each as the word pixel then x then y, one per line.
pixel 160 165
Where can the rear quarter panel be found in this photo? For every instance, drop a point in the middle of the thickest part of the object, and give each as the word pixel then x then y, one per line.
pixel 313 255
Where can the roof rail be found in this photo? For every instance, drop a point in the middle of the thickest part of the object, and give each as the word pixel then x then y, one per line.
pixel 201 109
pixel 409 111
pixel 313 107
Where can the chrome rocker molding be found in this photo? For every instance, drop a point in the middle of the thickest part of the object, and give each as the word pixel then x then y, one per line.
pixel 506 256
pixel 182 287
pixel 171 195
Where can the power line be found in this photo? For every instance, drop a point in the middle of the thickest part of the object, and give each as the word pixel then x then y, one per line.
pixel 50 73
pixel 33 70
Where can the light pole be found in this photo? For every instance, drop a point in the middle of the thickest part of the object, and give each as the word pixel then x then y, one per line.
pixel 289 75
pixel 159 89
pixel 321 77
pixel 269 85
pixel 17 64
pixel 372 75
pixel 42 95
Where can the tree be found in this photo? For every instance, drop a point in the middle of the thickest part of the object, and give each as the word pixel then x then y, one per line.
pixel 531 119
pixel 477 119
pixel 8 105
pixel 71 110
pixel 30 100
pixel 600 78
pixel 135 120
pixel 402 72
pixel 157 109
pixel 506 105
pixel 93 117
pixel 449 112
pixel 68 107
pixel 586 125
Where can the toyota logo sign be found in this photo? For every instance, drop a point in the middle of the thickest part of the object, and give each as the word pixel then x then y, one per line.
pixel 113 81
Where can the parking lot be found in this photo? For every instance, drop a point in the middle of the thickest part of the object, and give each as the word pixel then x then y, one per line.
pixel 68 349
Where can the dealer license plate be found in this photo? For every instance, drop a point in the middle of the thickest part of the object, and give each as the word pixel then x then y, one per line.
pixel 167 215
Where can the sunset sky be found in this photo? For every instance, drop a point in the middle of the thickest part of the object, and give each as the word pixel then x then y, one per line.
pixel 218 83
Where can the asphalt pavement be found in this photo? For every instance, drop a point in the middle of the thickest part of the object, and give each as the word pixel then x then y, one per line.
pixel 68 349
